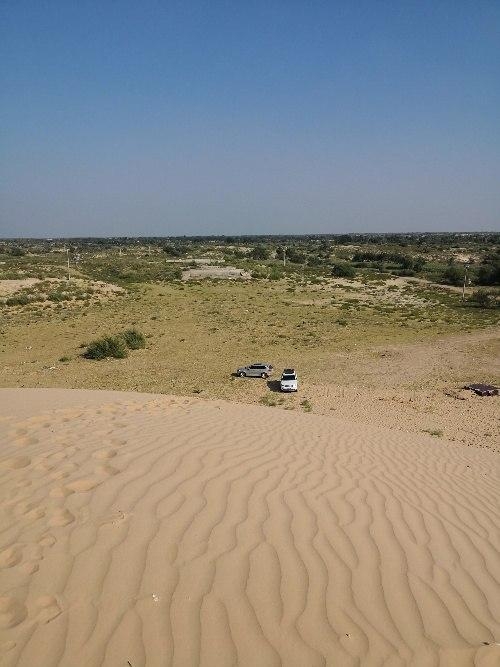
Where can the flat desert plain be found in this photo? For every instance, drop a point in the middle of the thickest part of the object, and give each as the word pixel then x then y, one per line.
pixel 147 530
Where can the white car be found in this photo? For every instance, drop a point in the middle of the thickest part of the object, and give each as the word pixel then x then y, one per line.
pixel 289 380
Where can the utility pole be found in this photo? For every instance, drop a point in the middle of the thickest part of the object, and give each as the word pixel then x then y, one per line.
pixel 465 282
pixel 284 255
pixel 67 254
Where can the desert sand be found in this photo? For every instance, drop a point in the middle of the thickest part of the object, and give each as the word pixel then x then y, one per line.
pixel 146 530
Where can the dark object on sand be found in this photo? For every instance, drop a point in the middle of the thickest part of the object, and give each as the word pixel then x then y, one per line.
pixel 483 389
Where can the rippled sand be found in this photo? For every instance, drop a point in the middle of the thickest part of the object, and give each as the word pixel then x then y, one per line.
pixel 149 530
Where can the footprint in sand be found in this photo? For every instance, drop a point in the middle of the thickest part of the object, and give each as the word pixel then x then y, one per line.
pixel 65 471
pixel 61 517
pixel 44 465
pixel 60 492
pixel 82 485
pixel 114 518
pixel 7 646
pixel 49 608
pixel 25 440
pixel 102 454
pixel 106 469
pixel 10 557
pixel 16 462
pixel 30 567
pixel 60 474
pixel 35 514
pixel 12 611
pixel 118 442
pixel 47 540
pixel 120 425
pixel 23 483
pixel 25 507
pixel 59 456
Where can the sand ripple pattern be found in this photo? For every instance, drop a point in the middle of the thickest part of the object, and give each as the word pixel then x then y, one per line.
pixel 155 531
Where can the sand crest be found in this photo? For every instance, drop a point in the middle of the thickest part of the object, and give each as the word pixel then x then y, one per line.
pixel 150 530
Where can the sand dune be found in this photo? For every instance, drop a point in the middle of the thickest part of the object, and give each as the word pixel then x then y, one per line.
pixel 151 530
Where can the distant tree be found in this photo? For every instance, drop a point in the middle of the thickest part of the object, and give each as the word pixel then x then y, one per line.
pixel 295 256
pixel 489 274
pixel 343 270
pixel 453 275
pixel 406 262
pixel 260 253
pixel 280 251
pixel 324 248
pixel 418 264
pixel 17 252
pixel 172 250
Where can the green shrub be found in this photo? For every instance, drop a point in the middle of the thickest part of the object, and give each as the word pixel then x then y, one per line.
pixel 17 252
pixel 453 275
pixel 276 273
pixel 57 297
pixel 483 298
pixel 260 252
pixel 20 300
pixel 108 346
pixel 134 339
pixel 343 270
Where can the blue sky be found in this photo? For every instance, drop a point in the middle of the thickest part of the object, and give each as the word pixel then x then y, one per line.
pixel 159 118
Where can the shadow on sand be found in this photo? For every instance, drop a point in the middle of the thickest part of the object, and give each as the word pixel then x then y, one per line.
pixel 274 385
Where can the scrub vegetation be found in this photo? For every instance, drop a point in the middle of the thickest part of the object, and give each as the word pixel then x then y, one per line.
pixel 342 310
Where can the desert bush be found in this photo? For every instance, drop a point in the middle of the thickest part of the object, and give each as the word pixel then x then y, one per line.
pixel 295 256
pixel 17 252
pixel 134 339
pixel 260 252
pixel 259 273
pixel 343 270
pixel 19 300
pixel 489 274
pixel 275 273
pixel 57 297
pixel 483 298
pixel 453 275
pixel 107 346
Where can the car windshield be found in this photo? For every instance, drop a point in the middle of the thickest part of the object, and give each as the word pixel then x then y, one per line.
pixel 289 377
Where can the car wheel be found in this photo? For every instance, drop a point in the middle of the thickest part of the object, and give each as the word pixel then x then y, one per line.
pixel 264 375
pixel 242 374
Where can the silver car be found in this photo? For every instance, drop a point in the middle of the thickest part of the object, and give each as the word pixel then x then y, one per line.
pixel 259 370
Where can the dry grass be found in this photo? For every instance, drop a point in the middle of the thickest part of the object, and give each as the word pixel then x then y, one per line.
pixel 365 338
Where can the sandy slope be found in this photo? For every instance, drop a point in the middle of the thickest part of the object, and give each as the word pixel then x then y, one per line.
pixel 150 530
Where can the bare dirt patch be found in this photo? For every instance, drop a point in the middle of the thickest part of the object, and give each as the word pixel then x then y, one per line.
pixel 216 272
pixel 8 287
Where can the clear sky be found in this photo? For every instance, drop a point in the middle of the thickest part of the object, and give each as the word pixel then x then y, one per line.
pixel 158 118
